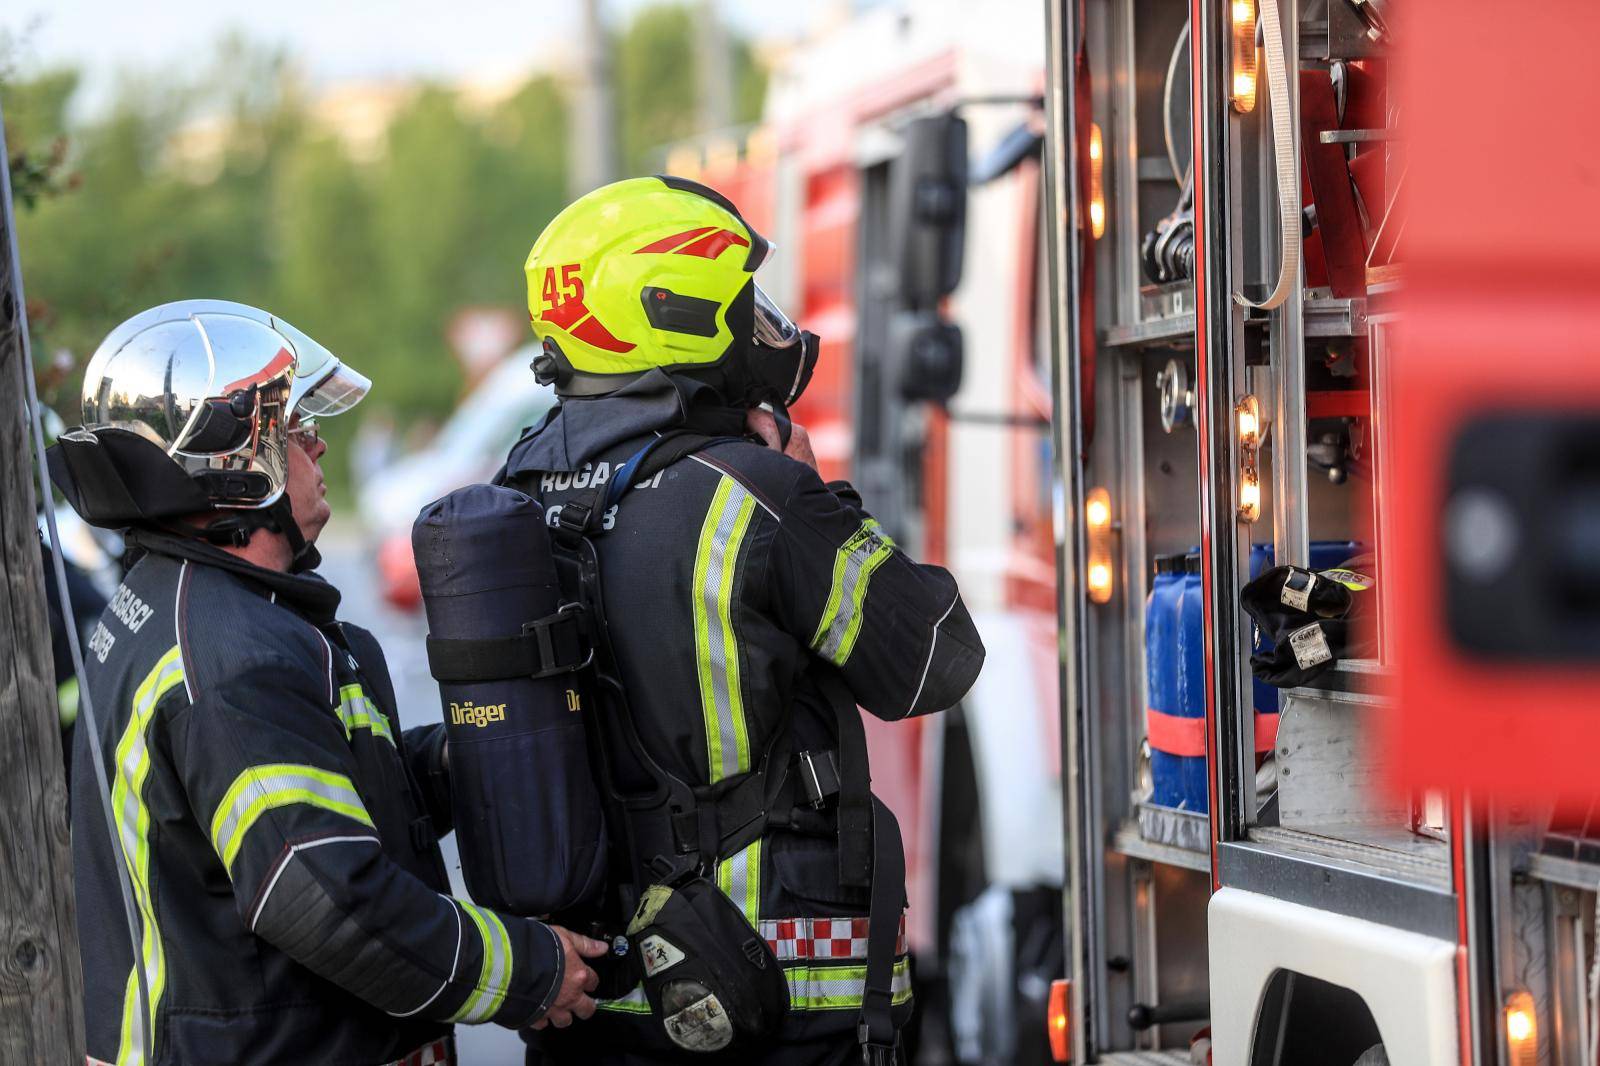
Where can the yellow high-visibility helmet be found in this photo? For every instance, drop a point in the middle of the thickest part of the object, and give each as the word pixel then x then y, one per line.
pixel 657 273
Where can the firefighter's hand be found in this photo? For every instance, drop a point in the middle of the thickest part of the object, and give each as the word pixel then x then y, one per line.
pixel 577 980
pixel 764 424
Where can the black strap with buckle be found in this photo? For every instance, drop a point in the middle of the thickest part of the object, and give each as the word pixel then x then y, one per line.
pixel 556 644
pixel 875 1029
pixel 816 775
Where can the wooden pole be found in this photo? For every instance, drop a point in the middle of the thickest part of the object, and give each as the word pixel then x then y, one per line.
pixel 41 974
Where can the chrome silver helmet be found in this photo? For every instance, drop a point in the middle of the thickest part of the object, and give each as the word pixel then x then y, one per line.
pixel 214 385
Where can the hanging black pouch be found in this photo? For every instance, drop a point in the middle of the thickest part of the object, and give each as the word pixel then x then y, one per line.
pixel 710 977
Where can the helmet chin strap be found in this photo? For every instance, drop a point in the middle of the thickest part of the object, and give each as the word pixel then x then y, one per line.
pixel 235 529
pixel 302 555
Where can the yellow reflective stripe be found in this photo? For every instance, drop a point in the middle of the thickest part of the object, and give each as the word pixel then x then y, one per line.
pixel 716 643
pixel 494 977
pixel 262 788
pixel 133 830
pixel 739 877
pixel 853 566
pixel 357 711
pixel 130 1045
pixel 632 1003
pixel 840 987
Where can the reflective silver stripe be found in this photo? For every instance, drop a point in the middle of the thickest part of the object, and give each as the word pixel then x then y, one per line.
pixel 739 877
pixel 133 766
pixel 866 550
pixel 634 1002
pixel 716 645
pixel 494 978
pixel 840 987
pixel 723 471
pixel 260 788
pixel 357 711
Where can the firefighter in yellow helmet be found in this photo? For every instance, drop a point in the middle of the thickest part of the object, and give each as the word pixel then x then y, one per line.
pixel 749 609
pixel 610 309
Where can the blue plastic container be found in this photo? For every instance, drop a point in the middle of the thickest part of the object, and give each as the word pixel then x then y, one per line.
pixel 1175 657
pixel 1180 776
pixel 1162 664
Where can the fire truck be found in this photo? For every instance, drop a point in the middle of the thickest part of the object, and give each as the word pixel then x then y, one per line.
pixel 1246 886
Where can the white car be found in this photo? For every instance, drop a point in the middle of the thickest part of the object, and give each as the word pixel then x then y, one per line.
pixel 468 448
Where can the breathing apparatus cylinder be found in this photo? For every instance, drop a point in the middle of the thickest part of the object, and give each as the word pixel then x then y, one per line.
pixel 509 661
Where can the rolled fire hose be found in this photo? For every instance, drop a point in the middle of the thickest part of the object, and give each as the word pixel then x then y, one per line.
pixel 1285 164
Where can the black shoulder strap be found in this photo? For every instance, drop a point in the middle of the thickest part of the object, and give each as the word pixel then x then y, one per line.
pixel 646 817
pixel 870 853
pixel 854 805
pixel 583 514
pixel 875 1027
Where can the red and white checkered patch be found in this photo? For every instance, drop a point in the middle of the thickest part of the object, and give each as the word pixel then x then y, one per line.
pixel 825 939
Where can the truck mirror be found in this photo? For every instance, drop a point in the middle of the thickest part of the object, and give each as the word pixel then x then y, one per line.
pixel 927 354
pixel 928 200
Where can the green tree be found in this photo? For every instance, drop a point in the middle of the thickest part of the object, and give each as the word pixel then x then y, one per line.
pixel 657 88
pixel 35 127
pixel 146 224
pixel 228 186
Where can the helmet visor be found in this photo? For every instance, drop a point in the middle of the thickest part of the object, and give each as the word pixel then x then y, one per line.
pixel 773 327
pixel 336 393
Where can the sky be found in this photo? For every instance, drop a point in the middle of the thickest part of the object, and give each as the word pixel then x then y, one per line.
pixel 333 40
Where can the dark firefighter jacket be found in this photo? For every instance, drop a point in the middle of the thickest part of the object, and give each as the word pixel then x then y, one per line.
pixel 279 832
pixel 731 581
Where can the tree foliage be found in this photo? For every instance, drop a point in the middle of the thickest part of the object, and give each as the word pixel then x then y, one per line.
pixel 654 64
pixel 235 186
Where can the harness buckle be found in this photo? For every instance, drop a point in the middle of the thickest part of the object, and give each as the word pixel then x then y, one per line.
pixel 873 1054
pixel 819 776
pixel 572 521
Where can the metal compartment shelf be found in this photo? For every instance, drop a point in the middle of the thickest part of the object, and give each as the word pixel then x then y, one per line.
pixel 1568 873
pixel 1325 316
pixel 1391 850
pixel 1168 836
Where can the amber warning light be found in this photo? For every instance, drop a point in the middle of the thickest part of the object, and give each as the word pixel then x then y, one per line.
pixel 1098 520
pixel 1097 188
pixel 1243 16
pixel 1522 1029
pixel 1060 1021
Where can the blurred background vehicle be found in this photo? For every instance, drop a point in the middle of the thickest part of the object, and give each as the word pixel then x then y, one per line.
pixel 469 447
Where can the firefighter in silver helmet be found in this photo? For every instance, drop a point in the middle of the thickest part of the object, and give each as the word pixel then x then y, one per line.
pixel 277 829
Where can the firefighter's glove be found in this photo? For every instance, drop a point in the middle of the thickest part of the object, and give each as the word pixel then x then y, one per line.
pixel 1302 624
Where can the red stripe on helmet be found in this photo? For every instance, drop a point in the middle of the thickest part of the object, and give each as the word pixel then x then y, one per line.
pixel 714 244
pixel 565 314
pixel 590 331
pixel 667 244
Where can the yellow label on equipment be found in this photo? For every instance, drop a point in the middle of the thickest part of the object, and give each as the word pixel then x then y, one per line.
pixel 475 714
